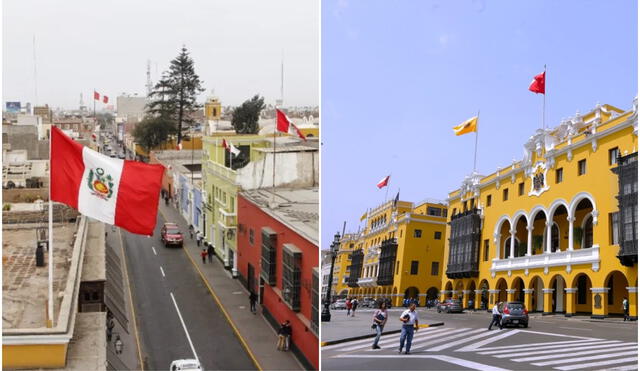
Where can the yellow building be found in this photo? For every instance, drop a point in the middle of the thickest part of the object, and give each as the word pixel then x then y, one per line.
pixel 556 230
pixel 212 109
pixel 397 255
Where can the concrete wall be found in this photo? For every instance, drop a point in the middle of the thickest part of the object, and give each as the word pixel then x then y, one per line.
pixel 25 137
pixel 25 194
pixel 130 106
pixel 293 169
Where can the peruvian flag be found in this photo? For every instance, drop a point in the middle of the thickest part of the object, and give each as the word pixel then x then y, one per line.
pixel 384 182
pixel 537 85
pixel 117 192
pixel 230 147
pixel 285 125
pixel 105 99
pixel 96 95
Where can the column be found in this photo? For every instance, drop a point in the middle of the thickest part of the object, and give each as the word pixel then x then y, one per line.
pixel 511 294
pixel 493 297
pixel 454 294
pixel 633 303
pixel 600 308
pixel 478 303
pixel 548 297
pixel 443 295
pixel 570 219
pixel 570 305
pixel 527 299
pixel 529 237
pixel 466 295
pixel 512 253
pixel 549 224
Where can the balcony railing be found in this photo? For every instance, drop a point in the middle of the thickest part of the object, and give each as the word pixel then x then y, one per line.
pixel 367 282
pixel 567 258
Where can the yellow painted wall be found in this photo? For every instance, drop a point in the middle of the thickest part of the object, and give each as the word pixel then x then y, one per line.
pixel 34 356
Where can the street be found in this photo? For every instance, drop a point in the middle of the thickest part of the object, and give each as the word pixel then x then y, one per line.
pixel 464 342
pixel 177 316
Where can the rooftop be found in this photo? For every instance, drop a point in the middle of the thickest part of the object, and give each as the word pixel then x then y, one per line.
pixel 296 208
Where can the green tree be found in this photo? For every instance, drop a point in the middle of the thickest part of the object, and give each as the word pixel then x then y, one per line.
pixel 245 117
pixel 152 132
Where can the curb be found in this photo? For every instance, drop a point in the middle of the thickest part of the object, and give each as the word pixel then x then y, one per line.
pixel 339 341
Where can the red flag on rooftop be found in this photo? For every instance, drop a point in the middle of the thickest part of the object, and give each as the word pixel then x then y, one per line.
pixel 537 85
pixel 105 99
pixel 96 95
pixel 384 182
pixel 285 125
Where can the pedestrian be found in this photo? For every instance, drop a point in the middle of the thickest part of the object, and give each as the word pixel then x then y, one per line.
pixel 282 335
pixel 625 308
pixel 496 316
pixel 204 256
pixel 252 301
pixel 379 320
pixel 199 237
pixel 210 251
pixel 409 320
pixel 348 304
pixel 110 326
pixel 191 231
pixel 288 332
pixel 354 305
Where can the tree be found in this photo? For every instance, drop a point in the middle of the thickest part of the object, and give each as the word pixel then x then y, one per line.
pixel 153 131
pixel 245 117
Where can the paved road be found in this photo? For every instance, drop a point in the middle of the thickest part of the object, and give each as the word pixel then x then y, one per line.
pixel 171 301
pixel 465 343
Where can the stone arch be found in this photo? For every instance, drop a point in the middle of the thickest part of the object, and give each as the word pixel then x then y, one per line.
pixel 518 284
pixel 617 283
pixel 583 301
pixel 484 297
pixel 411 293
pixel 343 293
pixel 518 215
pixel 534 212
pixel 587 231
pixel 448 286
pixel 432 293
pixel 576 200
pixel 472 295
pixel 537 296
pixel 556 204
pixel 502 286
pixel 558 297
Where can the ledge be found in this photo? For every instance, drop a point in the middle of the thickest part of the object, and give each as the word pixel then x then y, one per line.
pixel 567 258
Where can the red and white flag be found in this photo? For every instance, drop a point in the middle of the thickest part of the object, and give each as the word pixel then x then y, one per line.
pixel 105 99
pixel 285 125
pixel 117 192
pixel 96 95
pixel 230 147
pixel 537 85
pixel 384 182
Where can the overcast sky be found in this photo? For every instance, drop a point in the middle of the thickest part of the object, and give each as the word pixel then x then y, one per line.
pixel 237 47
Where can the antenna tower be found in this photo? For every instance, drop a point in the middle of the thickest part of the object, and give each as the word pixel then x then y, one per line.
pixel 149 85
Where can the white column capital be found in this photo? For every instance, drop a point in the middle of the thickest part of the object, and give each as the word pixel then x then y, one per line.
pixel 494 291
pixel 548 223
pixel 548 291
pixel 571 290
pixel 571 219
pixel 528 291
pixel 478 292
pixel 632 289
pixel 512 232
pixel 445 291
pixel 466 291
pixel 510 291
pixel 600 290
pixel 530 228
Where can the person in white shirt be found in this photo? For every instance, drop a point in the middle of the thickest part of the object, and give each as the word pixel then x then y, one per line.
pixel 496 316
pixel 410 324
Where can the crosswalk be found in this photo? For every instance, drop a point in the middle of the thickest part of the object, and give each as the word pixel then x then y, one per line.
pixel 470 347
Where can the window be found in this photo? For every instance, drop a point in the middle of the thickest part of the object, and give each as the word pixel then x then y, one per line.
pixel 251 236
pixel 485 256
pixel 232 204
pixel 521 189
pixel 397 266
pixel 613 156
pixel 588 233
pixel 417 233
pixel 315 302
pixel 435 268
pixel 505 194
pixel 434 211
pixel 444 212
pixel 268 262
pixel 488 200
pixel 414 267
pixel 614 225
pixel 559 175
pixel 582 167
pixel 291 261
pixel 437 235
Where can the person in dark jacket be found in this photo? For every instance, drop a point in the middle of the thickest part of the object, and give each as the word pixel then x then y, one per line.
pixel 283 333
pixel 252 301
pixel 210 252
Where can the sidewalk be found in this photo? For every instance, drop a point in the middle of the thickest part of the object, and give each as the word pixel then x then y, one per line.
pixel 575 317
pixel 254 331
pixel 342 327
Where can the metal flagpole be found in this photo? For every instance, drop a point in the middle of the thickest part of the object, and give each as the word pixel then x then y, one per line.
pixel 544 95
pixel 273 185
pixel 50 303
pixel 94 102
pixel 386 192
pixel 475 152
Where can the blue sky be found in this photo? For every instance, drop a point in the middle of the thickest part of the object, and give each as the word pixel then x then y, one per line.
pixel 397 76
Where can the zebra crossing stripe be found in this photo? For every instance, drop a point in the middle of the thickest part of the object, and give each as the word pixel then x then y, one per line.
pixel 370 340
pixel 596 364
pixel 612 344
pixel 552 347
pixel 416 338
pixel 571 342
pixel 449 359
pixel 462 341
pixel 587 352
pixel 420 345
pixel 622 368
pixel 474 346
pixel 579 359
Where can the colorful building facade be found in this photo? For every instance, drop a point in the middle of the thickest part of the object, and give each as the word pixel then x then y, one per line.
pixel 556 230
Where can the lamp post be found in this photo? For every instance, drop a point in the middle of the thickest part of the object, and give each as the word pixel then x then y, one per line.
pixel 335 246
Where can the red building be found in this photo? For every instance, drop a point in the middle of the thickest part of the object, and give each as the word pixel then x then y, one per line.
pixel 278 260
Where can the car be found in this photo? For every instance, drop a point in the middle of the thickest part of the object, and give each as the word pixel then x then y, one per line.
pixel 339 304
pixel 368 303
pixel 450 306
pixel 515 313
pixel 185 365
pixel 170 235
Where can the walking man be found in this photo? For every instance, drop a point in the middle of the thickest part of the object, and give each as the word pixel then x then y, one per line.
pixel 210 252
pixel 348 304
pixel 409 320
pixel 496 316
pixel 252 301
pixel 625 308
pixel 354 305
pixel 379 320
pixel 191 231
pixel 199 238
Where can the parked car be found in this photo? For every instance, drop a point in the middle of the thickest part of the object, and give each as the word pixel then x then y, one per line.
pixel 515 313
pixel 185 365
pixel 170 235
pixel 450 306
pixel 368 303
pixel 339 304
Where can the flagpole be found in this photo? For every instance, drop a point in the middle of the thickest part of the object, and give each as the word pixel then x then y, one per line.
pixel 475 151
pixel 50 302
pixel 544 96
pixel 386 192
pixel 94 103
pixel 275 127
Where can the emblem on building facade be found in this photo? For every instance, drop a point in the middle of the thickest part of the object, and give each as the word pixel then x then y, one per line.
pixel 538 179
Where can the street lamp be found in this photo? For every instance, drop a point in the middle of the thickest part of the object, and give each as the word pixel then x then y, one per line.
pixel 335 246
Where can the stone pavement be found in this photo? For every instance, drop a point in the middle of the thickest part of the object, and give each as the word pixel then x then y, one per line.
pixel 254 330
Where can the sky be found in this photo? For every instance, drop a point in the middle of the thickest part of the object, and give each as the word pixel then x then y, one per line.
pixel 237 47
pixel 396 79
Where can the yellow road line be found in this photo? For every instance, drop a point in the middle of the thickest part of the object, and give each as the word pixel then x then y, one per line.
pixel 133 312
pixel 224 311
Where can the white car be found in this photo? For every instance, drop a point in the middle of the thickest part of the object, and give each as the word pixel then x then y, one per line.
pixel 185 365
pixel 339 304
